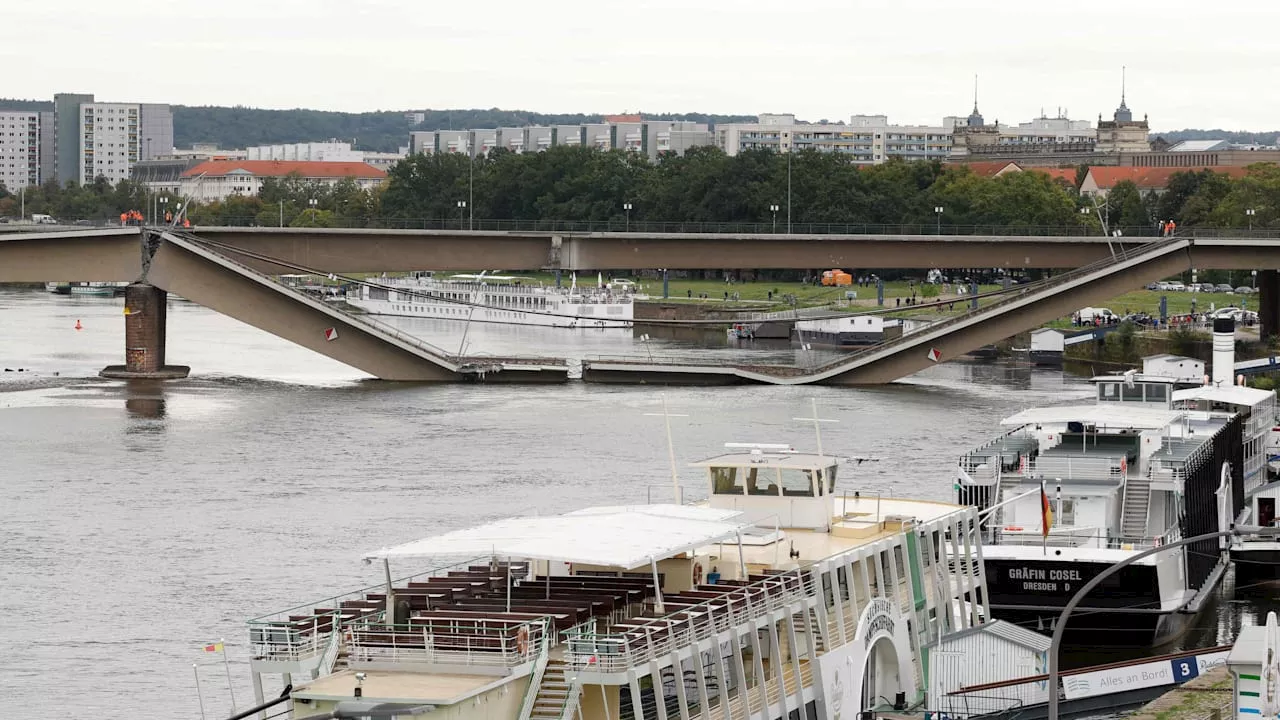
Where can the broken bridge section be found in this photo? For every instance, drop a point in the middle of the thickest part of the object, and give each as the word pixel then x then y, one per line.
pixel 183 266
pixel 1020 311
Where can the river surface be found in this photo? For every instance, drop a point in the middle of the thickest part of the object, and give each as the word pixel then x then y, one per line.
pixel 140 521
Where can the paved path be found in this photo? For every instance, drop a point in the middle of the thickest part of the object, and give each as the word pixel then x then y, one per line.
pixel 1195 700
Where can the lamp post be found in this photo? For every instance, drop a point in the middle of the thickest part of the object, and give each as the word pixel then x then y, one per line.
pixel 626 207
pixel 462 205
pixel 774 209
pixel 937 211
pixel 788 189
pixel 312 202
pixel 1056 642
pixel 1250 213
pixel 164 203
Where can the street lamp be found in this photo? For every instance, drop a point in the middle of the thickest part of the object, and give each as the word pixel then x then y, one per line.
pixel 312 202
pixel 937 210
pixel 462 205
pixel 627 208
pixel 164 202
pixel 1250 213
pixel 774 209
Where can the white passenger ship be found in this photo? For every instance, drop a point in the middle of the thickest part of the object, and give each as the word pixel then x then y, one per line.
pixel 498 298
pixel 777 598
pixel 1150 462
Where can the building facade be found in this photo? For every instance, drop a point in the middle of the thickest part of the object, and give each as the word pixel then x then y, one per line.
pixel 652 138
pixel 109 141
pixel 220 179
pixel 332 151
pixel 94 139
pixel 19 149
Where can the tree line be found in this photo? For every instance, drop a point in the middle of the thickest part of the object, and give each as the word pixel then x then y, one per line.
pixel 705 185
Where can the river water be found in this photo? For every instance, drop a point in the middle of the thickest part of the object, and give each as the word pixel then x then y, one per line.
pixel 140 521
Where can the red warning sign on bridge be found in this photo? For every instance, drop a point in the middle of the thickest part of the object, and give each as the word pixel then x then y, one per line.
pixel 331 334
pixel 935 354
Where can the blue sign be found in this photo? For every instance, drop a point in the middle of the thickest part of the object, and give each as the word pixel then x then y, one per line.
pixel 1185 669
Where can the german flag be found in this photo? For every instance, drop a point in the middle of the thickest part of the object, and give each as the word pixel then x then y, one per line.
pixel 213 647
pixel 1046 511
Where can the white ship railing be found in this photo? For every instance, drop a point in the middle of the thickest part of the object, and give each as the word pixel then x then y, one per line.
pixel 1082 537
pixel 300 632
pixel 1053 468
pixel 481 643
pixel 619 651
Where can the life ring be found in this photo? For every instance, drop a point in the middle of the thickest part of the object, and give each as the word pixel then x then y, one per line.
pixel 697 573
pixel 522 640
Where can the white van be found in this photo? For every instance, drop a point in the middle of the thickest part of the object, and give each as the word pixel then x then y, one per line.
pixel 43 219
pixel 1089 314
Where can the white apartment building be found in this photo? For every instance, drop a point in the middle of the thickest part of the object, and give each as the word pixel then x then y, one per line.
pixel 867 139
pixel 108 141
pixel 113 136
pixel 649 137
pixel 19 149
pixel 332 151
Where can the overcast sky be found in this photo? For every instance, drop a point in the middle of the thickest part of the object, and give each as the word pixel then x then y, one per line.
pixel 1191 64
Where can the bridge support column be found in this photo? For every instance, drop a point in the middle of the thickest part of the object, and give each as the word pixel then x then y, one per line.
pixel 146 313
pixel 1268 303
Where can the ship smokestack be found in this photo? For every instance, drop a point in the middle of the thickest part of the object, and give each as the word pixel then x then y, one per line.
pixel 1224 351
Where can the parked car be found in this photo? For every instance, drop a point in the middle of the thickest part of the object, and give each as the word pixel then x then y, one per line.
pixel 1244 290
pixel 1177 287
pixel 1223 287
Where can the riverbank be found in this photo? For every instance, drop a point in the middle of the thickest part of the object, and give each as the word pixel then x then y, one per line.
pixel 1208 697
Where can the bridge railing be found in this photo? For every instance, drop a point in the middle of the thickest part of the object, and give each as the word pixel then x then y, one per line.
pixel 1121 254
pixel 382 327
pixel 743 227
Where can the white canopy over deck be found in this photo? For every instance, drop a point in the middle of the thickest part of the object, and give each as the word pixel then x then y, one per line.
pixel 617 537
pixel 1230 395
pixel 1108 415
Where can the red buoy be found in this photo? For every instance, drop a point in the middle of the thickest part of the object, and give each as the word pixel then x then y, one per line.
pixel 78 325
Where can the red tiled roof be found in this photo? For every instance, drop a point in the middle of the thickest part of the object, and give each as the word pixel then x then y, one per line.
pixel 1067 174
pixel 623 118
pixel 280 168
pixel 1152 178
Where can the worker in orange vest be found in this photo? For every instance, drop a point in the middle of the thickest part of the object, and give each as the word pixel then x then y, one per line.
pixel 1172 227
pixel 186 223
pixel 124 219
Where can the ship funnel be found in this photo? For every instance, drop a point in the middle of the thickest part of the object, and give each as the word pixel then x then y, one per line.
pixel 1224 351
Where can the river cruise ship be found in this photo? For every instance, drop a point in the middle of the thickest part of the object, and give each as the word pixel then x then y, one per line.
pixel 498 298
pixel 1068 491
pixel 777 597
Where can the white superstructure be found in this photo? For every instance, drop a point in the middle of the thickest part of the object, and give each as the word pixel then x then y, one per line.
pixel 498 298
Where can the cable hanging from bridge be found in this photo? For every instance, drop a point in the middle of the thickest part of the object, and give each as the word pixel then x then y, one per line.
pixel 268 259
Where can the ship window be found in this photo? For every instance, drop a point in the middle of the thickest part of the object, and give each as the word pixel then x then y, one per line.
pixel 726 481
pixel 1066 512
pixel 761 484
pixel 1109 391
pixel 797 483
pixel 1157 393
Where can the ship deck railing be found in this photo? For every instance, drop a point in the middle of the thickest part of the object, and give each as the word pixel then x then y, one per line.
pixel 450 638
pixel 1082 537
pixel 685 618
pixel 302 630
